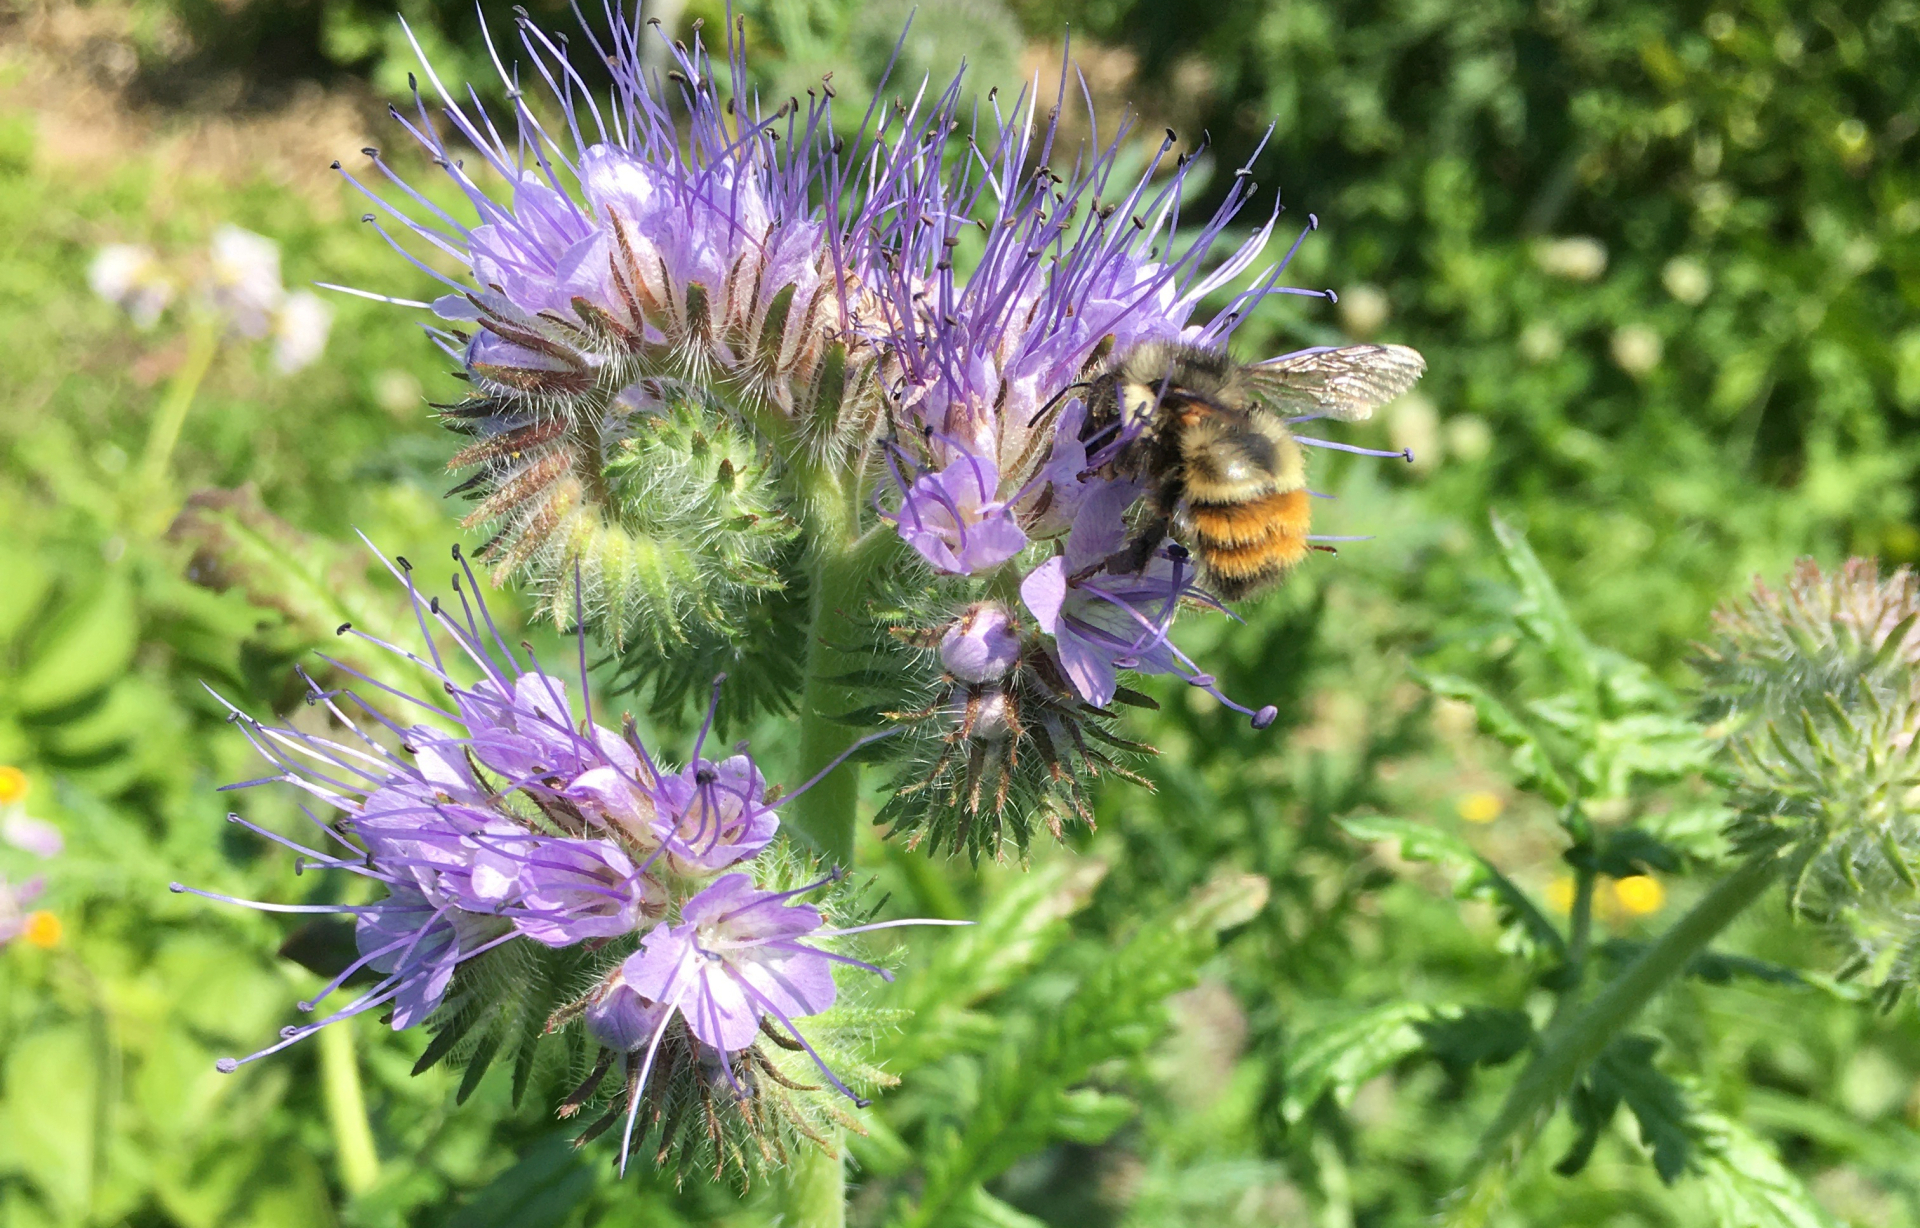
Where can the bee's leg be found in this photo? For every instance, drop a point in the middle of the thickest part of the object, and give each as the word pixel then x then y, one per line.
pixel 1134 555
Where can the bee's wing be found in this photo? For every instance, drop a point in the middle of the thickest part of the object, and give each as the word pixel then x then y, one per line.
pixel 1347 383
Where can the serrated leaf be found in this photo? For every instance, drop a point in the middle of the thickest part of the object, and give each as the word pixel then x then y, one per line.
pixel 1624 1073
pixel 90 641
pixel 1336 1058
pixel 1476 1036
pixel 1531 761
pixel 1631 852
pixel 1418 841
pixel 1711 966
pixel 1476 877
pixel 1745 1183
pixel 1541 613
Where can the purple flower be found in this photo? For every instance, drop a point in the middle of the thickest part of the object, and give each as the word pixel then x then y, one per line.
pixel 735 956
pixel 982 645
pixel 711 815
pixel 1103 620
pixel 573 890
pixel 954 520
pixel 471 826
pixel 619 1018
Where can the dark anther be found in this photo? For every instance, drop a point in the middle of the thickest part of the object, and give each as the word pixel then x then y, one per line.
pixel 1172 136
pixel 370 151
pixel 366 217
pixel 1177 551
pixel 402 560
pixel 456 550
pixel 433 605
pixel 334 165
pixel 343 628
pixel 706 776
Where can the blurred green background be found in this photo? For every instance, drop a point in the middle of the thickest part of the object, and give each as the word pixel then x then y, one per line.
pixel 1663 259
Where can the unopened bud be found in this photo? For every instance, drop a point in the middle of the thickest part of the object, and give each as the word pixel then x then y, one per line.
pixel 982 645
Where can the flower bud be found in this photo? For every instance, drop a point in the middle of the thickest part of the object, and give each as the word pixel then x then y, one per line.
pixel 982 646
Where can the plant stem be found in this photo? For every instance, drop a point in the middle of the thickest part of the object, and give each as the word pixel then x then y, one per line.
pixel 150 481
pixel 843 560
pixel 813 1187
pixel 347 1110
pixel 1570 1044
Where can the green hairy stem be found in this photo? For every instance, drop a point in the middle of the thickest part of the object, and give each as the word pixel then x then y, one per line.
pixel 813 1187
pixel 1570 1044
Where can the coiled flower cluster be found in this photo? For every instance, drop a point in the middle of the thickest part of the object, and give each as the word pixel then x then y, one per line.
pixel 889 330
pixel 505 823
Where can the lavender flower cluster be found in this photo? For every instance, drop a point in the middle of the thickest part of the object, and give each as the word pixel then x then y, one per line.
pixel 507 815
pixel 905 314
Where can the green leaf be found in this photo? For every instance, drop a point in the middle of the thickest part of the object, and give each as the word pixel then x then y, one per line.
pixel 1419 841
pixel 979 1209
pixel 1630 851
pixel 1087 1115
pixel 1476 1036
pixel 28 577
pixel 1115 1010
pixel 1712 967
pixel 1021 924
pixel 1746 1184
pixel 89 643
pixel 541 1191
pixel 1476 877
pixel 1336 1058
pixel 1542 615
pixel 1531 761
pixel 1624 1073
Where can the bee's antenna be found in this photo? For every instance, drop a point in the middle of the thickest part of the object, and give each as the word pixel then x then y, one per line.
pixel 1055 399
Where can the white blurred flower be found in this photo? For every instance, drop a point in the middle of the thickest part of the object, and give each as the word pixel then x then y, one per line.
pixel 1637 349
pixel 1541 342
pixel 243 280
pixel 131 277
pixel 1687 280
pixel 1469 437
pixel 1578 258
pixel 300 331
pixel 1363 309
pixel 36 836
pixel 1413 424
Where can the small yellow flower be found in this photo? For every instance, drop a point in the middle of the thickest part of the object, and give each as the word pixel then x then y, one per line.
pixel 1479 807
pixel 1560 894
pixel 1640 895
pixel 42 929
pixel 13 784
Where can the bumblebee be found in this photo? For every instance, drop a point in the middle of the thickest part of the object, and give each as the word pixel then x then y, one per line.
pixel 1209 437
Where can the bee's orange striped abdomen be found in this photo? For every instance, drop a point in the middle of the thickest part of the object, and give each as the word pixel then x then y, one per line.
pixel 1246 545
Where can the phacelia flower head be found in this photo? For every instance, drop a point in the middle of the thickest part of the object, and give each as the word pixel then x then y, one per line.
pixel 896 321
pixel 505 815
